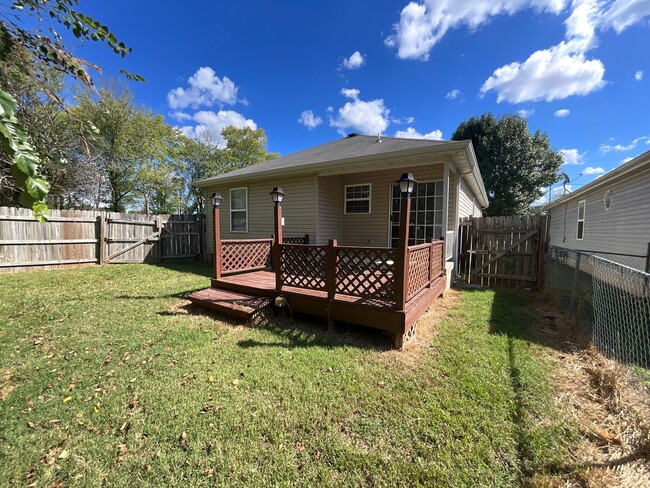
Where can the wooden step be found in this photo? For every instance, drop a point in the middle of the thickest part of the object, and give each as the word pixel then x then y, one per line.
pixel 230 303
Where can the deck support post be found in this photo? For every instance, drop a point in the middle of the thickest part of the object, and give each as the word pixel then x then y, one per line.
pixel 330 279
pixel 401 283
pixel 216 235
pixel 277 242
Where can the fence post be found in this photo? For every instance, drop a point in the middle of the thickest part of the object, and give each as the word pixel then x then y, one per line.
pixel 401 283
pixel 574 284
pixel 99 229
pixel 216 236
pixel 647 260
pixel 306 240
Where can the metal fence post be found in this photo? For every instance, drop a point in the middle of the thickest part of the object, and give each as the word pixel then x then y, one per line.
pixel 574 284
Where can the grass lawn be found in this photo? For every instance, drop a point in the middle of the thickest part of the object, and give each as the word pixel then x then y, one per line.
pixel 109 377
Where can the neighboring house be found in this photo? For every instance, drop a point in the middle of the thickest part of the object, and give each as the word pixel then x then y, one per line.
pixel 609 216
pixel 345 190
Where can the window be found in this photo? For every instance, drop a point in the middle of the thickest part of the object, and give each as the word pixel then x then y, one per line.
pixel 357 199
pixel 608 200
pixel 239 210
pixel 426 213
pixel 581 220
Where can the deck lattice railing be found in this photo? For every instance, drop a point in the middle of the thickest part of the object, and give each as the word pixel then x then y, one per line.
pixel 425 264
pixel 366 272
pixel 303 266
pixel 245 255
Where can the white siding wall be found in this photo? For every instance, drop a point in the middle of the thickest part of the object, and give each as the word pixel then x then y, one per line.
pixel 298 209
pixel 624 228
pixel 468 207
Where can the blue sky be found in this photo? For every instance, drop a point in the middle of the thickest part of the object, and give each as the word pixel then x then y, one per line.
pixel 307 72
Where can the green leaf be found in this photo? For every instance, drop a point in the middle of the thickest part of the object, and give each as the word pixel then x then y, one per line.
pixel 8 104
pixel 26 162
pixel 41 211
pixel 37 188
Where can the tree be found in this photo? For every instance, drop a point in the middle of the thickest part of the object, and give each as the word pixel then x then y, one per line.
pixel 43 43
pixel 244 147
pixel 198 159
pixel 514 163
pixel 132 146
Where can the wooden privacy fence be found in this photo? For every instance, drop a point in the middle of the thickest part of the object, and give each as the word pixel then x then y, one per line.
pixel 78 237
pixel 503 252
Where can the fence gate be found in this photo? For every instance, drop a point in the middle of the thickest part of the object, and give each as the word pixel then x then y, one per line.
pixel 503 252
pixel 130 238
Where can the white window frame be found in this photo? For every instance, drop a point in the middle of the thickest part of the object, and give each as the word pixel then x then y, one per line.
pixel 584 215
pixel 346 199
pixel 238 210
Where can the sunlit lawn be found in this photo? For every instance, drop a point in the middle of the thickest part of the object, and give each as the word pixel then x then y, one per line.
pixel 109 377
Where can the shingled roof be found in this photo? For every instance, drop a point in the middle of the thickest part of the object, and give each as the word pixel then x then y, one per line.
pixel 350 147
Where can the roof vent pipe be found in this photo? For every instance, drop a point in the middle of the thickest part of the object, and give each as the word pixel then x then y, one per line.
pixel 378 136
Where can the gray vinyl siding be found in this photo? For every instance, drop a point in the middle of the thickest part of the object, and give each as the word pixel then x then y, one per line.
pixel 624 228
pixel 468 207
pixel 298 209
pixel 372 229
pixel 330 208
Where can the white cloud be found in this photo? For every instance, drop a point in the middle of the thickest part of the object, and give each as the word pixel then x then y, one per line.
pixel 403 120
pixel 178 115
pixel 422 25
pixel 411 133
pixel 623 147
pixel 356 60
pixel 549 74
pixel 627 160
pixel 624 13
pixel 370 117
pixel 590 170
pixel 638 76
pixel 205 88
pixel 563 112
pixel 452 95
pixel 214 122
pixel 309 120
pixel 572 156
pixel 525 113
pixel 557 72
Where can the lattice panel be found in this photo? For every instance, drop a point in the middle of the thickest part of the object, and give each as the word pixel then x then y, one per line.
pixel 438 263
pixel 366 272
pixel 243 255
pixel 303 266
pixel 293 240
pixel 418 270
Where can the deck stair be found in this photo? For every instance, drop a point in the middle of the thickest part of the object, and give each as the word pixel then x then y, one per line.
pixel 230 303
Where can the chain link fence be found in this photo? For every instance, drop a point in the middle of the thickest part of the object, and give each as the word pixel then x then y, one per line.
pixel 610 302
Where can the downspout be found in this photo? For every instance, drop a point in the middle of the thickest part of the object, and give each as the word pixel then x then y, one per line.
pixel 445 206
pixel 456 222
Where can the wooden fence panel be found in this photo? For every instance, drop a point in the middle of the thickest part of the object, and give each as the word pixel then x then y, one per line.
pixel 502 252
pixel 81 237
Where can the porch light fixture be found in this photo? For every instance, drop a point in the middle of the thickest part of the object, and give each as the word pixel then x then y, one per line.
pixel 277 195
pixel 406 184
pixel 216 199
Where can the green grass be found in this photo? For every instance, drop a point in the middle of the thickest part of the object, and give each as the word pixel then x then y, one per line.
pixel 108 378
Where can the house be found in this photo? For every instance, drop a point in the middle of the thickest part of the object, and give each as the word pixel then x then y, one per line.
pixel 609 216
pixel 345 190
pixel 344 252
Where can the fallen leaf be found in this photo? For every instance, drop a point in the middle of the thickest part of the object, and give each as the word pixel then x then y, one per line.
pixel 235 381
pixel 208 471
pixel 382 383
pixel 31 425
pixel 67 399
pixel 300 446
pixel 330 370
pixel 71 386
pixel 147 467
pixel 64 454
pixel 97 408
pixel 210 378
pixel 122 448
pixel 317 454
pixel 183 440
pixel 55 421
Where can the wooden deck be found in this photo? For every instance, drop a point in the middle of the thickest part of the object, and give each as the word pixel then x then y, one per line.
pixel 240 290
